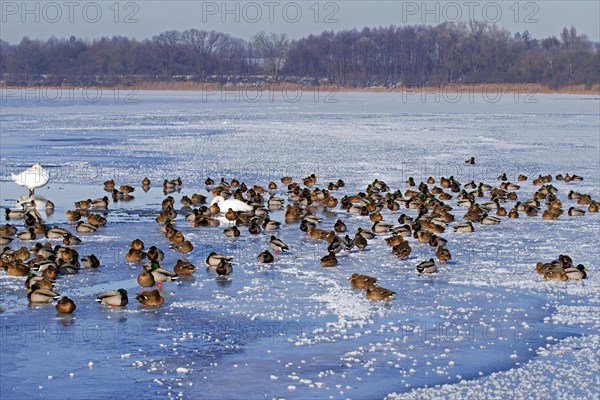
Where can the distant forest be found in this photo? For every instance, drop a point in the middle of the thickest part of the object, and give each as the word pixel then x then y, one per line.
pixel 474 52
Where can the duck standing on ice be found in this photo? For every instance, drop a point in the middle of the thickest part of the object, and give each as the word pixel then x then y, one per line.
pixel 32 178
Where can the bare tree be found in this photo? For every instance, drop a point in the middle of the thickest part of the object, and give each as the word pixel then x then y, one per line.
pixel 272 49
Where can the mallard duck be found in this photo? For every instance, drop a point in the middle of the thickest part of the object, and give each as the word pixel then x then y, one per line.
pixel 394 240
pixel 50 272
pixel 501 212
pixel 230 215
pixel 470 161
pixel 377 293
pixel 137 245
pixel 360 242
pixel 402 250
pixel 269 225
pixel 175 236
pixel 215 259
pixel 65 305
pixel 68 268
pixel 443 254
pixel 224 268
pixel 521 178
pixel 404 231
pixel 232 231
pixel 84 227
pixel 490 220
pixel 146 279
pixel 90 261
pixel 160 274
pixel 152 298
pixel 126 189
pixel 8 230
pixel 513 214
pixel 38 295
pixel 155 254
pixel 340 226
pixel 40 281
pixel 265 257
pixel 365 234
pixel 310 181
pixel 576 273
pixel 575 212
pixel 56 233
pixel 30 219
pixel 5 240
pixel 542 268
pixel 28 234
pixel 468 227
pixel 97 220
pixel 134 256
pixel 556 274
pixel 278 245
pixel 347 243
pixel 576 178
pixel 254 228
pixel 316 233
pixel 427 267
pixel 549 215
pixel 329 260
pixel 198 199
pixel 22 254
pixel 184 247
pixel 381 227
pixel 584 199
pixel 83 204
pixel 73 216
pixel 66 253
pixel 17 268
pixel 423 236
pixel 115 298
pixel 436 241
pixel 41 265
pixel 109 185
pixel 376 217
pixel 564 261
pixel 593 207
pixel 184 268
pixel 362 281
pixel 186 202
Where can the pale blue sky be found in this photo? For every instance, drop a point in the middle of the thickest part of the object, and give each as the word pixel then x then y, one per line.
pixel 143 19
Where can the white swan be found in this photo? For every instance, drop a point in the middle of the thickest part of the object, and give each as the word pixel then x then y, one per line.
pixel 32 178
pixel 234 204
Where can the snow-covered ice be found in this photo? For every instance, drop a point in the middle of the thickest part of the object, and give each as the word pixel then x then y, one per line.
pixel 485 326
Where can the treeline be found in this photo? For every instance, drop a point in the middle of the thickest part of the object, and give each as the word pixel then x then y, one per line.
pixel 476 52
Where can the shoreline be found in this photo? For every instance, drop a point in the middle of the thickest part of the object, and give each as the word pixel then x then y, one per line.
pixel 210 87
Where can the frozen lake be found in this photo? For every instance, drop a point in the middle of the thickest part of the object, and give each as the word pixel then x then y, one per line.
pixel 484 326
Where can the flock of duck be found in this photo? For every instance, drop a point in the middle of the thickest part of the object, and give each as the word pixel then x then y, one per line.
pixel 237 205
